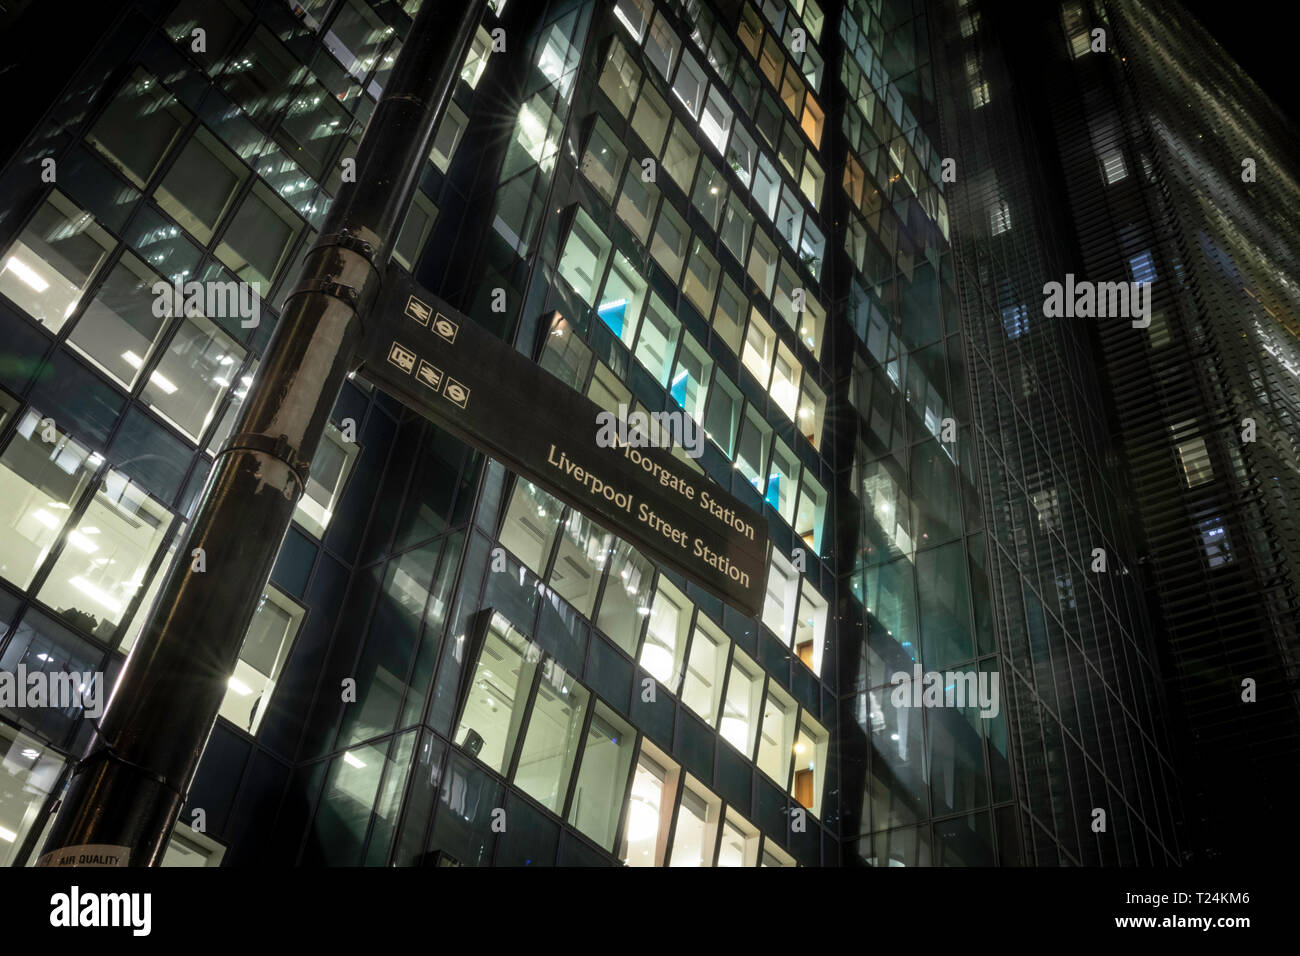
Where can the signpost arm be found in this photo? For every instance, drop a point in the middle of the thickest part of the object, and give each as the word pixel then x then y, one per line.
pixel 129 789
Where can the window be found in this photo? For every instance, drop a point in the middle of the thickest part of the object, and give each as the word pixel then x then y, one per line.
pixel 701 279
pixel 476 59
pixel 489 724
pixel 779 603
pixel 810 628
pixel 118 328
pixel 690 382
pixel 140 618
pixel 650 121
pixel 710 193
pixel 812 249
pixel 1112 165
pixel 785 381
pixel 812 180
pixel 554 736
pixel 811 513
pixel 767 186
pixel 662 45
pixel 201 185
pixel 792 91
pixel 602 777
pixel 741 156
pixel 810 765
pixel 626 601
pixel 29 772
pixel 999 217
pixel 813 321
pixel 776 742
pixel 536 138
pixel 739 844
pixel 637 203
pixel 583 259
pixel 689 86
pixel 681 156
pixel 634 14
pixel 781 482
pixel 105 559
pixel 697 826
pixel 774 856
pixel 771 61
pixel 702 688
pixel 192 375
pixel 1143 267
pixel 580 561
pixel 668 247
pixel 256 243
pixel 329 473
pixel 266 646
pixel 739 720
pixel 40 481
pixel 760 348
pixel 752 452
pixel 415 230
pixel 665 639
pixel 603 160
pixel 620 78
pixel 814 119
pixel 528 531
pixel 1214 539
pixel 763 262
pixel 736 225
pixel 49 265
pixel 622 299
pixel 1193 457
pixel 139 127
pixel 789 218
pixel 729 314
pixel 649 808
pixel 750 30
pixel 445 141
pixel 717 119
pixel 722 420
pixel 658 341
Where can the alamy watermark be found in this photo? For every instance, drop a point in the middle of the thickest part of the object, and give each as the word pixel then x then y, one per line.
pixel 1101 300
pixel 215 300
pixel 58 690
pixel 960 689
pixel 624 429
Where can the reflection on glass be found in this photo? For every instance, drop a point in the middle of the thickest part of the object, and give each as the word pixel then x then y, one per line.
pixel 740 708
pixel 649 809
pixel 493 711
pixel 554 734
pixel 697 826
pixel 602 777
pixel 266 646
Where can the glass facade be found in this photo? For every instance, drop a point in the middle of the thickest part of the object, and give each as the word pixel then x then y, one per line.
pixel 732 209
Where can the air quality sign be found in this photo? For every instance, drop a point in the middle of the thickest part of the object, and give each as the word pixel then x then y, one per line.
pixel 477 387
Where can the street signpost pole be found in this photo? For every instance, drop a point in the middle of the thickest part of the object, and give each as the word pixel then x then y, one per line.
pixel 128 790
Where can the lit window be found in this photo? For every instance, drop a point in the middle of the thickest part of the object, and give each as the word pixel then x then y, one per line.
pixel 710 194
pixel 810 628
pixel 776 737
pixel 121 315
pixel 740 706
pixel 139 127
pixel 717 119
pixel 701 279
pixel 782 594
pixel 554 735
pixel 48 267
pixel 760 348
pixel 1143 267
pixel 763 262
pixel 999 217
pixel 621 301
pixel 741 155
pixel 603 160
pixel 29 773
pixel 785 381
pixel 681 156
pixel 450 130
pixel 649 808
pixel 583 260
pixel 625 603
pixel 662 46
pixel 665 640
pixel 782 481
pixel 1015 321
pixel 620 78
pixel 723 416
pixel 668 247
pixel 1193 457
pixel 106 557
pixel 729 314
pixel 739 844
pixel 812 412
pixel 689 86
pixel 754 447
pixel 476 60
pixel 602 777
pixel 199 365
pixel 329 472
pixel 1214 539
pixel 637 202
pixel 650 121
pixel 494 705
pixel 702 687
pixel 774 856
pixel 697 825
pixel 658 341
pixel 1112 165
pixel 266 647
pixel 634 14
pixel 811 513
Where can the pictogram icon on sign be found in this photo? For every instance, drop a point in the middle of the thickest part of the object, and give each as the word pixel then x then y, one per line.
pixel 429 375
pixel 446 328
pixel 456 393
pixel 402 357
pixel 420 311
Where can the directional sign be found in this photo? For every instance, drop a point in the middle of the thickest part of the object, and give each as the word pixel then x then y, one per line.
pixel 464 379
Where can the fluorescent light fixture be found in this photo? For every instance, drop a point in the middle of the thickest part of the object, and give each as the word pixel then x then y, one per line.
pixel 6 834
pixel 353 761
pixel 81 542
pixel 25 272
pixel 162 382
pixel 45 518
pixel 31 754
pixel 132 359
pixel 239 687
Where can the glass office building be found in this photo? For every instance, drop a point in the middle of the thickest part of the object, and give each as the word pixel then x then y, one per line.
pixel 737 209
